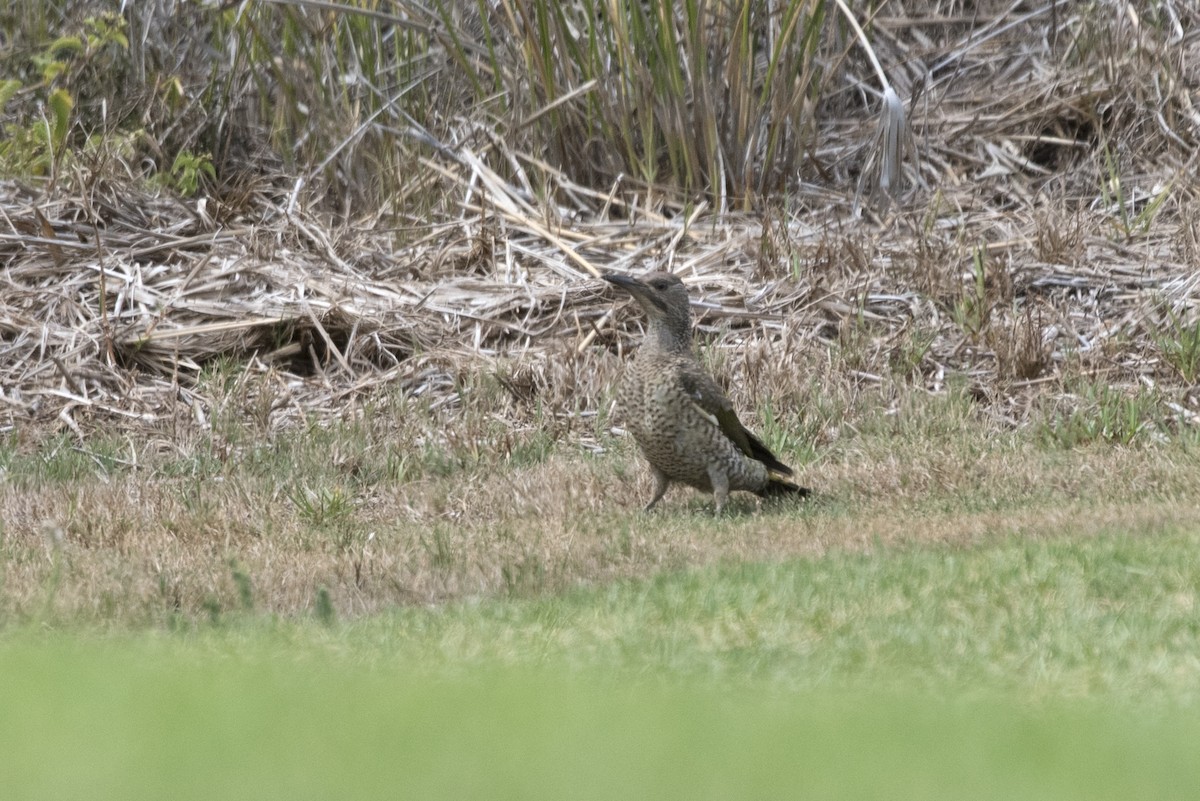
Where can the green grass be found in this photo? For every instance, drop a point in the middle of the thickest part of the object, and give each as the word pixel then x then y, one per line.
pixel 1179 345
pixel 179 721
pixel 1114 616
pixel 1013 668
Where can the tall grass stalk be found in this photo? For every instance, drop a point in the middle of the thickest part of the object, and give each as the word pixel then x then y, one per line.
pixel 687 100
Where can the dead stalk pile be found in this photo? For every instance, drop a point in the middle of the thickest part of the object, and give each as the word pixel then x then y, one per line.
pixel 1049 228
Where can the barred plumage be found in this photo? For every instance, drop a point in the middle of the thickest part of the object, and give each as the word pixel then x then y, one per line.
pixel 682 421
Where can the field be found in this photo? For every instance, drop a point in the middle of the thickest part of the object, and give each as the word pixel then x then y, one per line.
pixel 311 483
pixel 959 612
pixel 292 714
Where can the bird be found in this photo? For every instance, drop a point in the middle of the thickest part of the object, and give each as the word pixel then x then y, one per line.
pixel 680 418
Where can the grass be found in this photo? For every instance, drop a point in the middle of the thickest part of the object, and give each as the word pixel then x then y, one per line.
pixel 404 504
pixel 1103 413
pixel 1112 616
pixel 150 719
pixel 941 553
pixel 1179 345
pixel 1017 668
pixel 964 610
pixel 223 587
pixel 669 96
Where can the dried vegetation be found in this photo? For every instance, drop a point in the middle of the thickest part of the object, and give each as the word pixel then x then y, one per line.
pixel 1041 259
pixel 1048 232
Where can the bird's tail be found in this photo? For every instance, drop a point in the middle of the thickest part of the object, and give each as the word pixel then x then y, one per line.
pixel 779 484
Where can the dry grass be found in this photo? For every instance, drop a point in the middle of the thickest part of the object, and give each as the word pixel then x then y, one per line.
pixel 271 524
pixel 326 332
pixel 1038 277
pixel 1049 232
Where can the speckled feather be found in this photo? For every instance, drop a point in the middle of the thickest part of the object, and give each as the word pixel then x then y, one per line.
pixel 682 421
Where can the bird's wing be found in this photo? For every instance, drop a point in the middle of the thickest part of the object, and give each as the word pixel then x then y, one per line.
pixel 709 398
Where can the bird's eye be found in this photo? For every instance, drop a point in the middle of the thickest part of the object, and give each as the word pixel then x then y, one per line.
pixel 660 284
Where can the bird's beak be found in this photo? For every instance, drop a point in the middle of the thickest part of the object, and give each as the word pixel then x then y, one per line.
pixel 642 293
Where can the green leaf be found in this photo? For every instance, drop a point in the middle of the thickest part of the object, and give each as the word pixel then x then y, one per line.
pixel 8 88
pixel 52 69
pixel 106 29
pixel 66 44
pixel 173 92
pixel 61 104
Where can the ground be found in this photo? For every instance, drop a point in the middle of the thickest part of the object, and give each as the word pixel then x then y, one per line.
pixel 308 465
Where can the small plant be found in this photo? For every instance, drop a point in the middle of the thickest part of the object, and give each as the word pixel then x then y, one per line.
pixel 527 448
pixel 791 441
pixel 8 88
pixel 1178 343
pixel 52 78
pixel 1060 238
pixel 437 545
pixel 38 147
pixel 908 355
pixel 213 608
pixel 1103 414
pixel 322 506
pixel 245 588
pixel 238 399
pixel 973 308
pixel 330 511
pixel 187 171
pixel 1122 204
pixel 1021 349
pixel 323 606
pixel 856 343
pixel 523 576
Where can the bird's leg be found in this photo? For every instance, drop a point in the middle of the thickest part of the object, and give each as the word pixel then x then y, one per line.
pixel 720 485
pixel 660 486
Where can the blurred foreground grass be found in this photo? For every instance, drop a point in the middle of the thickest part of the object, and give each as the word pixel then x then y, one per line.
pixel 1060 668
pixel 153 719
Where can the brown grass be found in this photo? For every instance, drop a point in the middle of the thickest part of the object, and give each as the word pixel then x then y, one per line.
pixel 151 546
pixel 1068 173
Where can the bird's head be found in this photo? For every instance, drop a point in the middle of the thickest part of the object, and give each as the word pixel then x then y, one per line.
pixel 665 301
